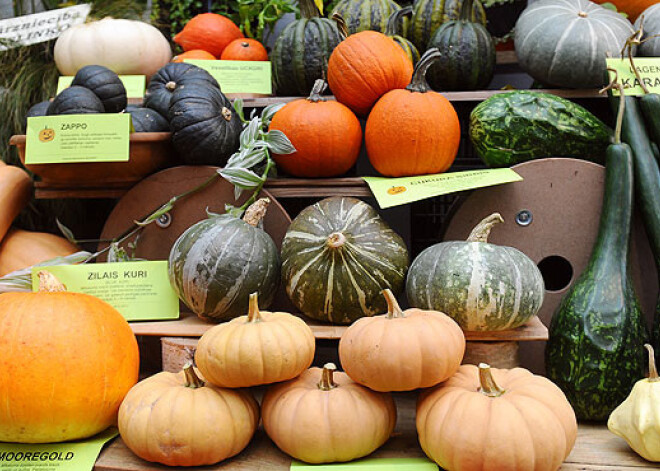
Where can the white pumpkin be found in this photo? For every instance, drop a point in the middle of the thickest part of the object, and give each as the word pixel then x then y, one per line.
pixel 127 47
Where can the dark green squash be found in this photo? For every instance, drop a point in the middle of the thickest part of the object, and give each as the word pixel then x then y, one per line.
pixel 168 78
pixel 502 16
pixel 205 128
pixel 428 15
pixel 467 54
pixel 148 120
pixel 106 84
pixel 595 352
pixel 40 109
pixel 393 26
pixel 338 256
pixel 217 263
pixel 361 15
pixel 301 51
pixel 76 100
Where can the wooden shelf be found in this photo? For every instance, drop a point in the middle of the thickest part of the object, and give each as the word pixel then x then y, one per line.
pixel 189 325
pixel 596 449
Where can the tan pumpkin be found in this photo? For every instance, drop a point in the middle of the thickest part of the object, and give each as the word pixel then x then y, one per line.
pixel 321 417
pixel 260 348
pixel 15 194
pixel 402 350
pixel 178 420
pixel 489 419
pixel 22 249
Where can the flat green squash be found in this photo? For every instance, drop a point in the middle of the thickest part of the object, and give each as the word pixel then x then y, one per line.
pixel 514 127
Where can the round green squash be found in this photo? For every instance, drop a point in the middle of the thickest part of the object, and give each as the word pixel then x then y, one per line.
pixel 76 100
pixel 564 43
pixel 105 84
pixel 651 45
pixel 148 120
pixel 40 109
pixel 467 54
pixel 300 54
pixel 217 263
pixel 338 256
pixel 428 15
pixel 482 286
pixel 393 27
pixel 361 15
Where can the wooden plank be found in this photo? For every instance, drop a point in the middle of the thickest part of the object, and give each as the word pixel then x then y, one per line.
pixel 506 57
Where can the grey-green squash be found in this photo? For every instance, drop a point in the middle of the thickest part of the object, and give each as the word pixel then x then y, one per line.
pixel 361 15
pixel 428 15
pixel 393 27
pixel 651 45
pixel 338 256
pixel 482 286
pixel 218 262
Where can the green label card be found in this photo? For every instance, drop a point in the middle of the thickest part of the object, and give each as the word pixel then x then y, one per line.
pixel 396 191
pixel 79 455
pixel 141 291
pixel 371 464
pixel 239 76
pixel 76 138
pixel 648 69
pixel 134 84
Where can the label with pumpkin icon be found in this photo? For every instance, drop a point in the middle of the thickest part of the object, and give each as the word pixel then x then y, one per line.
pixel 395 190
pixel 46 134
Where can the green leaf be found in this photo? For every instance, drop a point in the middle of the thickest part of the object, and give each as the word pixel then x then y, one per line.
pixel 611 6
pixel 238 107
pixel 241 177
pixel 66 232
pixel 269 111
pixel 247 158
pixel 279 143
pixel 166 208
pixel 117 254
pixel 250 133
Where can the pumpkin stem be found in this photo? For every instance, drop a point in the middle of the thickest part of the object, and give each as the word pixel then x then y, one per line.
pixel 418 82
pixel 466 11
pixel 653 371
pixel 308 9
pixel 226 113
pixel 48 283
pixel 254 315
pixel 170 85
pixel 341 25
pixel 192 380
pixel 481 232
pixel 256 212
pixel 317 90
pixel 336 240
pixel 488 385
pixel 393 308
pixel 326 383
pixel 393 21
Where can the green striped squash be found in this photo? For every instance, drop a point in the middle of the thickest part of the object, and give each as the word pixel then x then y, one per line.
pixel 338 256
pixel 482 286
pixel 428 15
pixel 300 54
pixel 393 26
pixel 217 263
pixel 361 15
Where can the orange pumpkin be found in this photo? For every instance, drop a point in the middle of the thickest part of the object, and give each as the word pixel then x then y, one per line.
pixel 365 66
pixel 632 8
pixel 402 350
pixel 490 419
pixel 210 32
pixel 413 131
pixel 244 50
pixel 197 54
pixel 22 249
pixel 67 361
pixel 326 134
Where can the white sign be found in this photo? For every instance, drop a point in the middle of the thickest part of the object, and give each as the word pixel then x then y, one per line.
pixel 40 27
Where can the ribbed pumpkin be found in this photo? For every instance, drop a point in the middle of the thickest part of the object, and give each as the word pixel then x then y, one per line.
pixel 321 417
pixel 301 52
pixel 210 32
pixel 481 286
pixel 337 257
pixel 651 45
pixel 413 131
pixel 402 350
pixel 364 67
pixel 244 50
pixel 467 54
pixel 148 120
pixel 393 28
pixel 75 100
pixel 326 134
pixel 178 420
pixel 105 84
pixel 496 419
pixel 197 54
pixel 362 15
pixel 258 348
pixel 217 263
pixel 428 15
pixel 51 392
pixel 565 43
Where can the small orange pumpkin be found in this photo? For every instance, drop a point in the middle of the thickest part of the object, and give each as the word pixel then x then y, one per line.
pixel 402 350
pixel 326 134
pixel 208 31
pixel 21 249
pixel 244 50
pixel 413 131
pixel 197 54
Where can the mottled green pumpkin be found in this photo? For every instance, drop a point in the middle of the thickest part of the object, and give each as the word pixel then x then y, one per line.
pixel 338 256
pixel 361 15
pixel 217 263
pixel 428 15
pixel 481 286
pixel 301 52
pixel 393 28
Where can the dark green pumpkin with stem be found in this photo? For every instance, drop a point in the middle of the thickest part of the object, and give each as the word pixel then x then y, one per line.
pixel 428 15
pixel 105 84
pixel 75 100
pixel 361 15
pixel 595 352
pixel 393 27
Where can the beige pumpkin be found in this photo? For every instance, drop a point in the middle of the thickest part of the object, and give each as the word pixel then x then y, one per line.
pixel 178 420
pixel 321 417
pixel 259 348
pixel 127 47
pixel 402 350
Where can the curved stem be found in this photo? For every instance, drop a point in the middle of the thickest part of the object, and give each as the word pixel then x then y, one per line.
pixel 488 385
pixel 418 82
pixel 308 9
pixel 393 21
pixel 622 104
pixel 317 90
pixel 336 240
pixel 341 25
pixel 256 211
pixel 192 380
pixel 466 10
pixel 653 371
pixel 254 315
pixel 48 283
pixel 393 308
pixel 327 383
pixel 482 230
